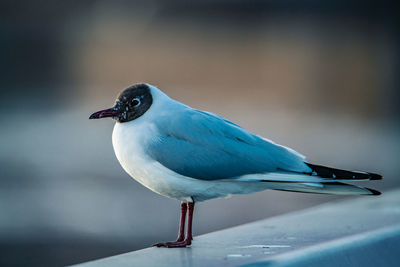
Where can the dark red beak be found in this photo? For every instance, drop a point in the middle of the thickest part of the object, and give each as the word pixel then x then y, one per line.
pixel 111 112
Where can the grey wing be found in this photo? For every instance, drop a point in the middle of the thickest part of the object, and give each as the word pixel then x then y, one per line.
pixel 205 146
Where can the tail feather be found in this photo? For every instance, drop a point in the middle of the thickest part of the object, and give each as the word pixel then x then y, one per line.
pixel 334 188
pixel 328 172
pixel 321 180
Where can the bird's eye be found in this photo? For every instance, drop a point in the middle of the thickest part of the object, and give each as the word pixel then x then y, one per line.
pixel 135 102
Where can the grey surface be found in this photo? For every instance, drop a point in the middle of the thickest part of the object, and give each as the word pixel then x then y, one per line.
pixel 372 248
pixel 319 235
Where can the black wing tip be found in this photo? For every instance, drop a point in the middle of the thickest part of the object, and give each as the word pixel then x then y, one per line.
pixel 375 176
pixel 329 172
pixel 374 192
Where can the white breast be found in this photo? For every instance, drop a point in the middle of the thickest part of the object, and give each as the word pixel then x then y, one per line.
pixel 129 145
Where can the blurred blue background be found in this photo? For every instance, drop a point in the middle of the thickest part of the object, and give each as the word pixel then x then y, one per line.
pixel 318 76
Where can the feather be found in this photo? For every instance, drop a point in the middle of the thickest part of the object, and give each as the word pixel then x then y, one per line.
pixel 334 188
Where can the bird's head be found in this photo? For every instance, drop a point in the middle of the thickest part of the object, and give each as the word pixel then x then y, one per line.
pixel 131 103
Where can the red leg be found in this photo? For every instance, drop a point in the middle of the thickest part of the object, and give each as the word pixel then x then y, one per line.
pixel 189 235
pixel 181 241
pixel 181 234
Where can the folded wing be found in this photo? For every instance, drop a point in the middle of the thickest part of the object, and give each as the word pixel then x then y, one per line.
pixel 205 146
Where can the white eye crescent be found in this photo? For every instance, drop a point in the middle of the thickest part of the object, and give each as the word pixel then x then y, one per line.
pixel 136 102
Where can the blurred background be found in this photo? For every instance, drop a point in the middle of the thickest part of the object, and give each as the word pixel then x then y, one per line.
pixel 318 76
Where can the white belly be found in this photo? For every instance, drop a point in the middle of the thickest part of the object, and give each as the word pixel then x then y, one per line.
pixel 129 142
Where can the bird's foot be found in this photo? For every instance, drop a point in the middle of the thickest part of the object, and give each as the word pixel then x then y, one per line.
pixel 175 244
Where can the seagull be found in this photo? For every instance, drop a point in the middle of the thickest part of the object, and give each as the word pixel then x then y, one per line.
pixel 192 156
